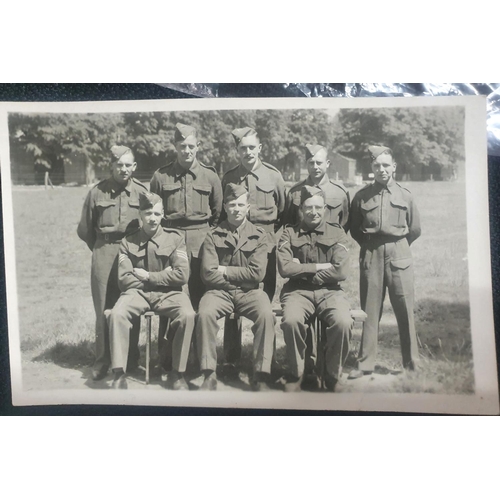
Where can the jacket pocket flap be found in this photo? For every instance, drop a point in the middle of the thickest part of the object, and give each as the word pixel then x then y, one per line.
pixel 267 188
pixel 165 251
pixel 134 203
pixel 250 245
pixel 204 188
pixel 171 187
pixel 137 251
pixel 400 204
pixel 369 204
pixel 298 242
pixel 221 242
pixel 401 263
pixel 105 203
pixel 333 202
pixel 328 242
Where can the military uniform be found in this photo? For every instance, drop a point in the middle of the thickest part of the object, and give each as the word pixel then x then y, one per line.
pixel 266 189
pixel 384 220
pixel 192 200
pixel 336 202
pixel 244 252
pixel 309 292
pixel 164 257
pixel 109 213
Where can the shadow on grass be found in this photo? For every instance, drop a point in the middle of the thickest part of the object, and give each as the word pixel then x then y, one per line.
pixel 72 355
pixel 444 329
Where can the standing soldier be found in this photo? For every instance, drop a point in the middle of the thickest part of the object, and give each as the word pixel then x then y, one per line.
pixel 336 197
pixel 314 255
pixel 153 267
pixel 266 194
pixel 384 220
pixel 233 264
pixel 110 211
pixel 192 200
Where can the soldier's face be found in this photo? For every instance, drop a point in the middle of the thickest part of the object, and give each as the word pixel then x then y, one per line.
pixel 237 210
pixel 313 210
pixel 151 218
pixel 186 150
pixel 318 165
pixel 123 168
pixel 248 150
pixel 383 167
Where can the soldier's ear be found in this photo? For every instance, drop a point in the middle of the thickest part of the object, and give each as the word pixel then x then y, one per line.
pixel 394 164
pixel 134 166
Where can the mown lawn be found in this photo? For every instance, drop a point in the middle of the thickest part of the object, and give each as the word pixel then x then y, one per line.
pixel 57 316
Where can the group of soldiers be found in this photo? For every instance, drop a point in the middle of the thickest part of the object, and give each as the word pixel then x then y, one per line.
pixel 226 240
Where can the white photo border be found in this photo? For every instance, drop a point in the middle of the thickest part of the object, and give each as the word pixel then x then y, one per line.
pixel 484 401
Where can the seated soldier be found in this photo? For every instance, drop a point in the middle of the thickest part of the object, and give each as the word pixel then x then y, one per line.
pixel 233 263
pixel 152 268
pixel 313 254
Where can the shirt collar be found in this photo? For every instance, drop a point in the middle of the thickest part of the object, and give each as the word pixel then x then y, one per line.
pixel 255 172
pixel 193 169
pixel 324 180
pixel 155 238
pixel 303 229
pixel 116 187
pixel 389 186
pixel 240 228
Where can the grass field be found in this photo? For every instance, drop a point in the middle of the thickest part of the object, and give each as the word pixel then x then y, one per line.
pixel 57 317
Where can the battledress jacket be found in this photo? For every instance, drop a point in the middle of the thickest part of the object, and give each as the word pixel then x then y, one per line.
pixel 163 256
pixel 325 244
pixel 245 259
pixel 384 212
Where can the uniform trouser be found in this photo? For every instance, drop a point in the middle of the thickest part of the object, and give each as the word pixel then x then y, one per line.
pixel 254 305
pixel 105 293
pixel 270 277
pixel 196 288
pixel 174 305
pixel 387 265
pixel 332 308
pixel 232 329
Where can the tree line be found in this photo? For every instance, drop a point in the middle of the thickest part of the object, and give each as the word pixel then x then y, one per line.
pixel 422 138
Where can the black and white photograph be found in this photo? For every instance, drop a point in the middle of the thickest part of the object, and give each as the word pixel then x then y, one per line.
pixel 323 254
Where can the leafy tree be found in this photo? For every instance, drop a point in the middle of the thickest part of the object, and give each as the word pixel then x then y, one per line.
pixel 54 137
pixel 424 140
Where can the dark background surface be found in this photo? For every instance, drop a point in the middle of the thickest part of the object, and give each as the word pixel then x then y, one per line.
pixel 105 92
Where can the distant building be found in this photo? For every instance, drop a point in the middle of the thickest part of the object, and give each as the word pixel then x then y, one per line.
pixel 342 168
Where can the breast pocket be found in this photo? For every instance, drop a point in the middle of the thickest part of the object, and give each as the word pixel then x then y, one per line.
pixel 334 207
pixel 224 251
pixel 137 256
pixel 201 197
pixel 371 214
pixel 163 256
pixel 265 196
pixel 172 197
pixel 399 210
pixel 106 213
pixel 133 211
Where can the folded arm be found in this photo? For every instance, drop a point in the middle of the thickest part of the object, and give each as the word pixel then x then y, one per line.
pixel 176 273
pixel 288 266
pixel 127 279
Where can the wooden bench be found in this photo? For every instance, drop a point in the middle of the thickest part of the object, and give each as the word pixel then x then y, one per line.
pixel 232 342
pixel 232 335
